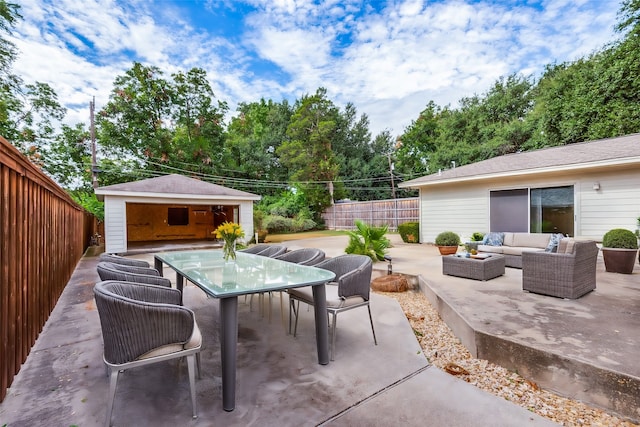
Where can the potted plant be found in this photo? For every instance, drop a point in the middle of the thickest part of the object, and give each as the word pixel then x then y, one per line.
pixel 619 249
pixel 476 238
pixel 447 242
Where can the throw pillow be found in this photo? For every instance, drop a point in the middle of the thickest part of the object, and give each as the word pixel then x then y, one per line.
pixel 494 239
pixel 553 242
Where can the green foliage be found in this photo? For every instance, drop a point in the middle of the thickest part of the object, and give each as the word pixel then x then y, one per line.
pixel 368 240
pixel 477 236
pixel 447 238
pixel 620 238
pixel 88 200
pixel 410 232
pixel 279 224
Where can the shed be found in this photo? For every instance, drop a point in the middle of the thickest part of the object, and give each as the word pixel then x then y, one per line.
pixel 170 207
pixel 581 190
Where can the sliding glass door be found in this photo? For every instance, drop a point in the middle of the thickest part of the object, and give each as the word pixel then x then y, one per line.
pixel 538 210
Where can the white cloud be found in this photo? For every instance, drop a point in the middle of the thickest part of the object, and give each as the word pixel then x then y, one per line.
pixel 390 63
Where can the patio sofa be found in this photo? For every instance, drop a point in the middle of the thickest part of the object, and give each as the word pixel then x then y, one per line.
pixel 512 245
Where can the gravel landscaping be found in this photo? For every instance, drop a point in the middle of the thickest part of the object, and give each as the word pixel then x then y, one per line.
pixel 446 352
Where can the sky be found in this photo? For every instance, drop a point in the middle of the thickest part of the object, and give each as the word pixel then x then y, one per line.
pixel 388 58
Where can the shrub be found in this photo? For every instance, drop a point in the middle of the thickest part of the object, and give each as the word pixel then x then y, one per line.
pixel 368 240
pixel 447 238
pixel 477 237
pixel 620 238
pixel 278 224
pixel 410 232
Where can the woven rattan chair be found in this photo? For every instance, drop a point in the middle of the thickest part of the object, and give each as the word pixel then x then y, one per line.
pixel 255 248
pixel 305 256
pixel 564 275
pixel 144 324
pixel 116 259
pixel 128 273
pixel 272 251
pixel 350 289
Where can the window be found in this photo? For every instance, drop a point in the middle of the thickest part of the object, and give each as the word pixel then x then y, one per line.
pixel 552 210
pixel 178 216
pixel 537 210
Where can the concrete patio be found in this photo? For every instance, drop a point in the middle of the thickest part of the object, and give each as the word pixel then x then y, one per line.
pixel 587 347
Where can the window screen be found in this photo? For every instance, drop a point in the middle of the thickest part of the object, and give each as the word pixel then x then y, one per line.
pixel 509 210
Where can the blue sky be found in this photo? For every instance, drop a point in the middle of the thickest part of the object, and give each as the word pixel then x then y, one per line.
pixel 389 58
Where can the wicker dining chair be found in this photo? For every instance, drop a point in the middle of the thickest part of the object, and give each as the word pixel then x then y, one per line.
pixel 145 324
pixel 304 256
pixel 350 289
pixel 255 248
pixel 117 259
pixel 569 273
pixel 273 251
pixel 128 273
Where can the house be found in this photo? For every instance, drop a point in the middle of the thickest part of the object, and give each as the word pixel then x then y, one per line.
pixel 170 207
pixel 581 190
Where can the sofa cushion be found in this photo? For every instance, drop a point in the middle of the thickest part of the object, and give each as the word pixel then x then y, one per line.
pixel 493 239
pixel 492 249
pixel 569 245
pixel 531 240
pixel 517 250
pixel 508 239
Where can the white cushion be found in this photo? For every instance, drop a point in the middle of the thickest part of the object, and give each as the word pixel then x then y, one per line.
pixel 333 300
pixel 517 250
pixel 489 248
pixel 195 341
pixel 531 240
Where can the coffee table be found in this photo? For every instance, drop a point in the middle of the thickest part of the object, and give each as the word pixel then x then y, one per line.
pixel 473 268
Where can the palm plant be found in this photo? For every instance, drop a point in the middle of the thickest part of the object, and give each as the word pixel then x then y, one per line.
pixel 368 240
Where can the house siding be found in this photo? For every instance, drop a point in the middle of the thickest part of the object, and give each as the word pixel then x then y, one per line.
pixel 115 220
pixel 464 208
pixel 116 217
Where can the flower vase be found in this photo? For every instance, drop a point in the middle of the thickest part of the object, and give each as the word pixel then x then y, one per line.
pixel 229 251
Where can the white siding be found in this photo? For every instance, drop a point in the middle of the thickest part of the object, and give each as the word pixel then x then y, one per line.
pixel 464 208
pixel 615 205
pixel 246 219
pixel 115 225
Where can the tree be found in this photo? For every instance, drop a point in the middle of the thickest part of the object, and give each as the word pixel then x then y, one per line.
pixel 154 123
pixel 252 140
pixel 308 152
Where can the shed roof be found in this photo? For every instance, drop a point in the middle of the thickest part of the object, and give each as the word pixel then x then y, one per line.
pixel 594 154
pixel 174 185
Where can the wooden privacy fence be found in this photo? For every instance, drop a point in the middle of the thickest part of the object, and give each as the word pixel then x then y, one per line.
pixel 43 235
pixel 342 216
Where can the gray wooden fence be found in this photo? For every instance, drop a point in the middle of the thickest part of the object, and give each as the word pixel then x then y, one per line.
pixel 342 216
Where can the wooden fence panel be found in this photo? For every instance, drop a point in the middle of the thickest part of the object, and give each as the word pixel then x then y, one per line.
pixel 43 235
pixel 342 216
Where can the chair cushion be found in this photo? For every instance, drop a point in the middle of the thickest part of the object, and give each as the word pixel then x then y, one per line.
pixel 518 250
pixel 531 240
pixel 492 249
pixel 333 300
pixel 194 341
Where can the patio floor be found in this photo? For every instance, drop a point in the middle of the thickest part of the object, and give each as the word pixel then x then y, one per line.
pixel 279 381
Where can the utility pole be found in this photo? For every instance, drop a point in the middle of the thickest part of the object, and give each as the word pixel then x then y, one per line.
pixel 393 189
pixel 94 166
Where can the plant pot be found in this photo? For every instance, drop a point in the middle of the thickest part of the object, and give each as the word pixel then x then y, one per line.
pixel 262 235
pixel 447 250
pixel 619 260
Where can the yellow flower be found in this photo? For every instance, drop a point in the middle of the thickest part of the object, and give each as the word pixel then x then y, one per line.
pixel 229 231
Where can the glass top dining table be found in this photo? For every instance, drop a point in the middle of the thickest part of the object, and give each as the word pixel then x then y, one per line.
pixel 248 274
